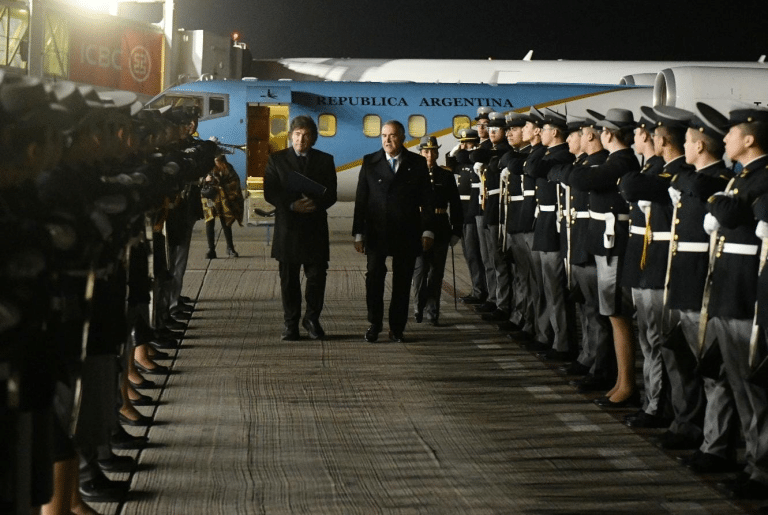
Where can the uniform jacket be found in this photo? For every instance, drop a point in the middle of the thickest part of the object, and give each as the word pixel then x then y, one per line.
pixel 300 237
pixel 468 184
pixel 445 196
pixel 527 213
pixel 545 234
pixel 493 184
pixel 387 204
pixel 514 162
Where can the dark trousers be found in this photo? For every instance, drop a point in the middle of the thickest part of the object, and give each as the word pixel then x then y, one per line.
pixel 402 272
pixel 209 232
pixel 428 279
pixel 314 291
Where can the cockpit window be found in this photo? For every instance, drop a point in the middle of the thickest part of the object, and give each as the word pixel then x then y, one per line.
pixel 210 106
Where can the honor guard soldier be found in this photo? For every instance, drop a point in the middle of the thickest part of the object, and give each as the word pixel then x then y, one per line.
pixel 522 316
pixel 729 301
pixel 686 275
pixel 546 240
pixel 494 253
pixel 606 240
pixel 469 193
pixel 650 196
pixel 481 125
pixel 448 220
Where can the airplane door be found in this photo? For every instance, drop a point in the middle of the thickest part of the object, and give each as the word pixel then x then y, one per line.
pixel 267 132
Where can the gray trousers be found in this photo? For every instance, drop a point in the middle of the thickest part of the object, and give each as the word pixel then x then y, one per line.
pixel 553 285
pixel 486 252
pixel 597 334
pixel 751 400
pixel 686 387
pixel 179 258
pixel 523 312
pixel 649 304
pixel 544 333
pixel 501 268
pixel 470 245
pixel 97 410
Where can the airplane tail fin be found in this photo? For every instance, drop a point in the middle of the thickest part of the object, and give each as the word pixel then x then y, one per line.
pixel 762 59
pixel 529 56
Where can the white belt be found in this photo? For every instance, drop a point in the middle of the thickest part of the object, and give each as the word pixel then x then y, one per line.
pixel 464 197
pixel 476 184
pixel 529 193
pixel 582 214
pixel 636 229
pixel 691 246
pixel 494 192
pixel 740 248
pixel 547 208
pixel 516 198
pixel 621 217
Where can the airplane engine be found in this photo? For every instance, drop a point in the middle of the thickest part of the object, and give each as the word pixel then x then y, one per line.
pixel 638 79
pixel 723 88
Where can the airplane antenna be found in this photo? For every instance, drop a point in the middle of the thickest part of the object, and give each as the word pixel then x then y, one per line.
pixel 762 59
pixel 529 55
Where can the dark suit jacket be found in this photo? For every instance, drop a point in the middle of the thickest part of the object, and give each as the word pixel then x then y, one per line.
pixel 387 205
pixel 300 237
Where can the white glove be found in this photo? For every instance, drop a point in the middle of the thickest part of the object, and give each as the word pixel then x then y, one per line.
pixel 675 195
pixel 761 231
pixel 454 240
pixel 504 174
pixel 644 205
pixel 710 223
pixel 478 168
pixel 455 149
pixel 171 168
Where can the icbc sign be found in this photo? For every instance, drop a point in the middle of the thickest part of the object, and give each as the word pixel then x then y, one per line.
pixel 127 59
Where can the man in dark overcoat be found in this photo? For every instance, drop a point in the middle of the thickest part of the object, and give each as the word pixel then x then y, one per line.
pixel 301 224
pixel 392 187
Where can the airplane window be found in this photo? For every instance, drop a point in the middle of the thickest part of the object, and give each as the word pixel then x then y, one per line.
pixel 372 125
pixel 216 105
pixel 460 122
pixel 326 125
pixel 176 101
pixel 417 126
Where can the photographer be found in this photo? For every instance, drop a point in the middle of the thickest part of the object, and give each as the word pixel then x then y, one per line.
pixel 222 198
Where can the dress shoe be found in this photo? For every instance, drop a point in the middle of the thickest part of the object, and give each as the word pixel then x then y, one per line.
pixel 554 355
pixel 485 307
pixel 232 253
pixel 749 489
pixel 143 400
pixel 142 421
pixel 313 329
pixel 173 325
pixel 632 401
pixel 706 463
pixel 185 299
pixel 435 322
pixel 396 337
pixel 496 315
pixel 418 316
pixel 508 326
pixel 163 343
pixel 211 254
pixel 634 414
pixel 164 332
pixel 647 421
pixel 520 336
pixel 123 440
pixel 592 384
pixel 183 306
pixel 181 316
pixel 101 489
pixel 674 441
pixel 158 354
pixel 535 346
pixel 156 370
pixel 372 334
pixel 574 369
pixel 471 299
pixel 290 334
pixel 117 463
pixel 145 384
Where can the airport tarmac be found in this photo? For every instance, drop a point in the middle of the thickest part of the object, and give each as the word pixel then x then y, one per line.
pixel 458 419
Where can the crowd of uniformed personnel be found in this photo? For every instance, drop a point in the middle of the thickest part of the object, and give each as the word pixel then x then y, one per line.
pixel 566 226
pixel 98 198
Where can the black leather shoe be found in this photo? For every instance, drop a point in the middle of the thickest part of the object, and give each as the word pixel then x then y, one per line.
pixel 158 355
pixel 211 254
pixel 181 316
pixel 507 326
pixel 471 299
pixel 647 421
pixel 496 315
pixel 123 440
pixel 418 316
pixel 183 306
pixel 101 489
pixel 632 401
pixel 145 384
pixel 163 343
pixel 592 384
pixel 232 253
pixel 372 334
pixel 174 325
pixel 705 463
pixel 185 299
pixel 673 441
pixel 554 355
pixel 156 370
pixel 535 346
pixel 485 307
pixel 396 337
pixel 750 489
pixel 520 336
pixel 290 334
pixel 574 369
pixel 117 463
pixel 142 421
pixel 143 400
pixel 434 322
pixel 313 329
pixel 166 333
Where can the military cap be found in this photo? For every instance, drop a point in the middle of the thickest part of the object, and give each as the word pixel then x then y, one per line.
pixel 468 135
pixel 574 123
pixel 747 115
pixel 90 94
pixel 482 113
pixel 615 118
pixel 554 118
pixel 535 117
pixel 710 121
pixel 645 123
pixel 667 116
pixel 496 119
pixel 515 120
pixel 70 96
pixel 428 142
pixel 26 103
pixel 123 101
pixel 480 155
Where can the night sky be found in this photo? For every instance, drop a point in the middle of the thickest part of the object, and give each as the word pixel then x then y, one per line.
pixel 578 29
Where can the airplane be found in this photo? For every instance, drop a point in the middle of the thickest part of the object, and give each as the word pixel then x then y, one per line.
pixel 253 115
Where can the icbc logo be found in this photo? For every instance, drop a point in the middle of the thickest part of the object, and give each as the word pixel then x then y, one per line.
pixel 140 64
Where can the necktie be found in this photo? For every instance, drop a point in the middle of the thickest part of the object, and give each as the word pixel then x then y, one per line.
pixel 393 164
pixel 303 163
